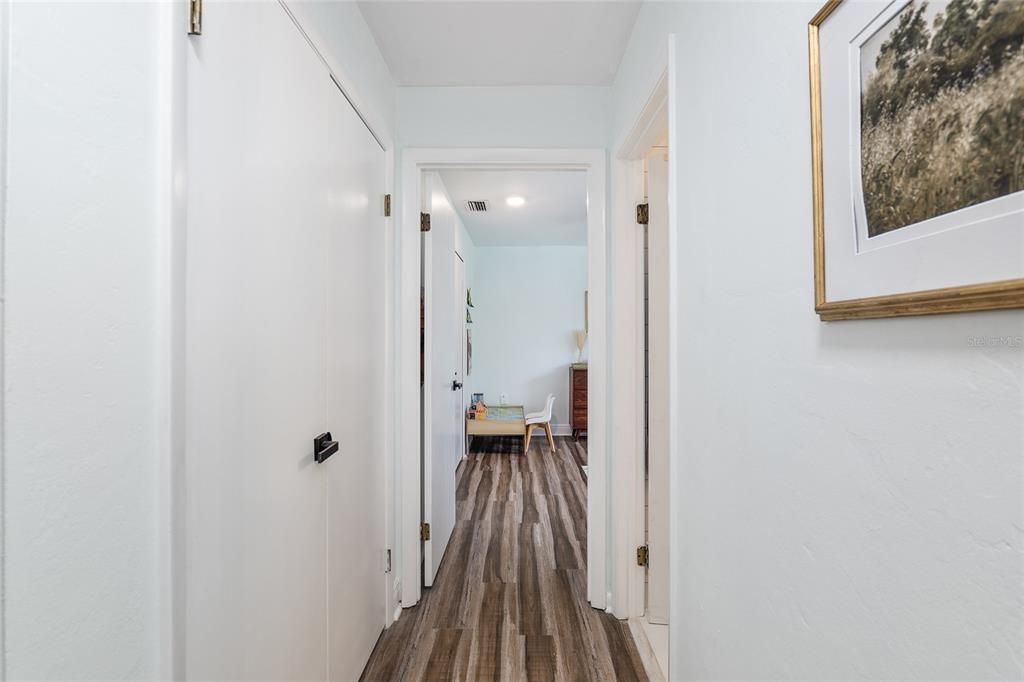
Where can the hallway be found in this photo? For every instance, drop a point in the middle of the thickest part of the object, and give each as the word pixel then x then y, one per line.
pixel 264 264
pixel 510 597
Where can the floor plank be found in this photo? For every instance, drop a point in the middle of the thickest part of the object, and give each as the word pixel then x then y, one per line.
pixel 509 601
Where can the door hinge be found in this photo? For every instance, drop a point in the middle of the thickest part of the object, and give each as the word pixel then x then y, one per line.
pixel 387 560
pixel 387 205
pixel 424 222
pixel 642 214
pixel 424 531
pixel 195 17
pixel 642 556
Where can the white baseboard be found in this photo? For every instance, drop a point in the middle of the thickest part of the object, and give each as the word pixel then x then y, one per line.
pixel 646 651
pixel 556 429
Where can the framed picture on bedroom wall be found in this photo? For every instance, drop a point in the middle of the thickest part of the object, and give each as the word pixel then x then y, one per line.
pixel 917 156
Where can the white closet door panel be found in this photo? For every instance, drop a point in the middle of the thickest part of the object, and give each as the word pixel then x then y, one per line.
pixel 354 259
pixel 256 324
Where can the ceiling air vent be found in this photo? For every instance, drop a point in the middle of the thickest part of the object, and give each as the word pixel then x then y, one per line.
pixel 474 206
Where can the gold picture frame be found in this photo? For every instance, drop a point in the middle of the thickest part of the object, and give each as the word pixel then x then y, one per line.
pixel 986 296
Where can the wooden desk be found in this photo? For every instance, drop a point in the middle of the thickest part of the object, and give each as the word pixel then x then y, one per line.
pixel 503 420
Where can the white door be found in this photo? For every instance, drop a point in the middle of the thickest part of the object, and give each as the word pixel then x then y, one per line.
pixel 278 176
pixel 459 396
pixel 658 396
pixel 442 450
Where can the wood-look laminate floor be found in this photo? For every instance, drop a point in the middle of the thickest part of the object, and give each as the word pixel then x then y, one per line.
pixel 509 602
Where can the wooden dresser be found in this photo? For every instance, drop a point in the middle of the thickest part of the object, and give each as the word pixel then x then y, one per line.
pixel 578 399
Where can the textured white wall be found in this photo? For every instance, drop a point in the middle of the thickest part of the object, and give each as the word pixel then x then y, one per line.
pixel 847 502
pixel 529 304
pixel 80 434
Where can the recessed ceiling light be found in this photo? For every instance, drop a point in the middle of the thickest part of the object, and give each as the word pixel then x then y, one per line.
pixel 515 201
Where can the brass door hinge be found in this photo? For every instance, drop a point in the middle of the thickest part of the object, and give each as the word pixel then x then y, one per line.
pixel 642 556
pixel 424 531
pixel 195 17
pixel 642 214
pixel 387 205
pixel 424 222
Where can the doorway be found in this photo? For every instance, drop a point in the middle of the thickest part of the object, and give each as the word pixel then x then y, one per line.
pixel 411 470
pixel 644 241
pixel 657 402
pixel 522 236
pixel 443 368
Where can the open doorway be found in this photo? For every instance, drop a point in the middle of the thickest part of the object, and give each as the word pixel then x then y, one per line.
pixel 590 525
pixel 512 365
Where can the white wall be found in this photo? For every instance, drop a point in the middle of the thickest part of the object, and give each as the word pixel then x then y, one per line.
pixel 539 116
pixel 529 304
pixel 847 498
pixel 81 341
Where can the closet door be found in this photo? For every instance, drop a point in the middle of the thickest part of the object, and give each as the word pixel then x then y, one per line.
pixel 257 313
pixel 354 259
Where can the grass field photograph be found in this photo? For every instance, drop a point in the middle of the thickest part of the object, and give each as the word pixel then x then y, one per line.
pixel 942 110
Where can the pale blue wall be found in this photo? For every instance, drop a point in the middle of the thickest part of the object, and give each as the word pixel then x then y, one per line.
pixel 528 116
pixel 529 304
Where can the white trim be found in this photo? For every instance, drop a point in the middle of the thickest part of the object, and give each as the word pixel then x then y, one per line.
pixel 650 121
pixel 674 341
pixel 627 396
pixel 651 118
pixel 171 211
pixel 630 496
pixel 406 418
pixel 390 400
pixel 5 9
pixel 643 647
pixel 426 395
pixel 559 430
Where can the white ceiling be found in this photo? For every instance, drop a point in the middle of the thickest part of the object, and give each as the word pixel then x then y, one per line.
pixel 555 212
pixel 525 42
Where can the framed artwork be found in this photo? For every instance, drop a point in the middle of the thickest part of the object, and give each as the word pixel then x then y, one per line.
pixel 917 156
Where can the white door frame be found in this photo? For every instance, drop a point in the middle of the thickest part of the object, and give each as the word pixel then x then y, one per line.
pixel 652 116
pixel 407 385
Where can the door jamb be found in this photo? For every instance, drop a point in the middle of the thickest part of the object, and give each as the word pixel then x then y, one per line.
pixel 652 116
pixel 406 419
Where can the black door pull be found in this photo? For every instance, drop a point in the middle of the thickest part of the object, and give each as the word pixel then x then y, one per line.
pixel 456 385
pixel 324 447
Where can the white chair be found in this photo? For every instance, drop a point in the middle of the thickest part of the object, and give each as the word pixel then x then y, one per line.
pixel 543 420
